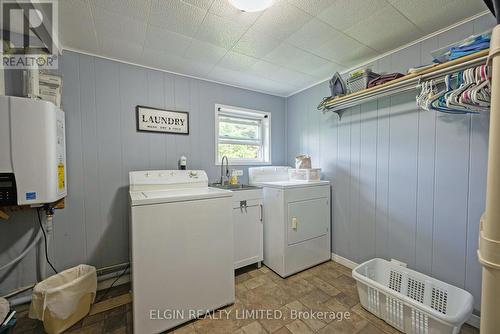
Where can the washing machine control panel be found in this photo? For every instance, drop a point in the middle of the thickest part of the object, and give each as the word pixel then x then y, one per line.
pixel 167 179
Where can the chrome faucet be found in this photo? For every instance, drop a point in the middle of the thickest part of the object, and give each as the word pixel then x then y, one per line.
pixel 222 170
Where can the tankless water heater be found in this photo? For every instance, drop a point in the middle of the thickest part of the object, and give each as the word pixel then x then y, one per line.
pixel 32 152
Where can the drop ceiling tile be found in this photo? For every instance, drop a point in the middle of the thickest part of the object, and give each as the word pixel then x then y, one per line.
pixel 72 12
pixel 249 80
pixel 193 68
pixel 74 38
pixel 432 15
pixel 295 49
pixel 264 69
pixel 314 7
pixel 385 30
pixel 312 35
pixel 259 82
pixel 166 40
pixel 278 89
pixel 73 7
pixel 283 91
pixel 220 31
pixel 279 74
pixel 344 14
pixel 285 52
pixel 281 20
pixel 224 9
pixel 296 59
pixel 118 26
pixel 174 63
pixel 318 67
pixel 177 16
pixel 358 56
pixel 344 50
pixel 237 61
pixel 324 71
pixel 120 49
pixel 137 9
pixel 73 15
pixel 203 4
pixel 256 44
pixel 225 75
pixel 204 53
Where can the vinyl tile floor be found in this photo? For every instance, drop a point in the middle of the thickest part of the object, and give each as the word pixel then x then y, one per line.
pixel 322 299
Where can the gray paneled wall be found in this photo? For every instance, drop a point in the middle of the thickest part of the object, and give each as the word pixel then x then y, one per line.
pixel 407 184
pixel 99 98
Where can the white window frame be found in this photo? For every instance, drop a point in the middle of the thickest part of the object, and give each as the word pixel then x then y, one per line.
pixel 265 139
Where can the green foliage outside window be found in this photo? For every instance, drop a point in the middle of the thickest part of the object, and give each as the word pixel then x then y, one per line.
pixel 238 151
pixel 245 133
pixel 238 131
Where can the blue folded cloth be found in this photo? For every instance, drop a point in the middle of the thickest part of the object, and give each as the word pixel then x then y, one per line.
pixel 479 43
pixel 473 47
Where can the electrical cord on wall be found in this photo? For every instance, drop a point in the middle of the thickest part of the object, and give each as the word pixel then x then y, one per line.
pixel 112 284
pixel 45 240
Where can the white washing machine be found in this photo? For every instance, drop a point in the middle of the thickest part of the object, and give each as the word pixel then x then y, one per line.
pixel 181 248
pixel 296 220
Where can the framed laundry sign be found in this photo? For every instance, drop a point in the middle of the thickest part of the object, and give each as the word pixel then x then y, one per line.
pixel 160 120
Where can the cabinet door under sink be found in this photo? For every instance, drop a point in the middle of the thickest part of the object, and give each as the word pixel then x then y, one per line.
pixel 247 235
pixel 307 220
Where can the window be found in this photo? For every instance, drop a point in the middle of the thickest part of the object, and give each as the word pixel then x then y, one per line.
pixel 243 135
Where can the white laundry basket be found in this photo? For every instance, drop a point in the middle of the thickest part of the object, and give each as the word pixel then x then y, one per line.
pixel 309 174
pixel 410 301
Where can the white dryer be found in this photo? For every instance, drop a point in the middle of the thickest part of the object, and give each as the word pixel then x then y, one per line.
pixel 296 220
pixel 181 248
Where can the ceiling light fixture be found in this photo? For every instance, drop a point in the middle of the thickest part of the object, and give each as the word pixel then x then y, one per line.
pixel 251 5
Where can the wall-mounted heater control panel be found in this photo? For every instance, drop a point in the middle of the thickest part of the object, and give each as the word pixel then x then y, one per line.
pixel 32 152
pixel 8 193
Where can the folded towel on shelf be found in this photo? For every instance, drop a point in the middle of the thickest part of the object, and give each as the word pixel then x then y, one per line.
pixel 467 50
pixel 381 79
pixel 466 47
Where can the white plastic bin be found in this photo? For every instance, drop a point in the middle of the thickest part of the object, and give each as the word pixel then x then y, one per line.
pixel 303 174
pixel 63 299
pixel 410 301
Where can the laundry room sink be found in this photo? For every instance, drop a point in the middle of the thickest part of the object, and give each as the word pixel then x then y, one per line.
pixel 234 187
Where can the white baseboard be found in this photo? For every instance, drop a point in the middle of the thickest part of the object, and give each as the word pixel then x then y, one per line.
pixel 343 261
pixel 474 320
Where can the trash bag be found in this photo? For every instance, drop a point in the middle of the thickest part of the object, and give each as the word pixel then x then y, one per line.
pixel 64 298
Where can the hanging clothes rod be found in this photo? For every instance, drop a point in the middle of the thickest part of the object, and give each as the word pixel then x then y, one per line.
pixel 407 83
